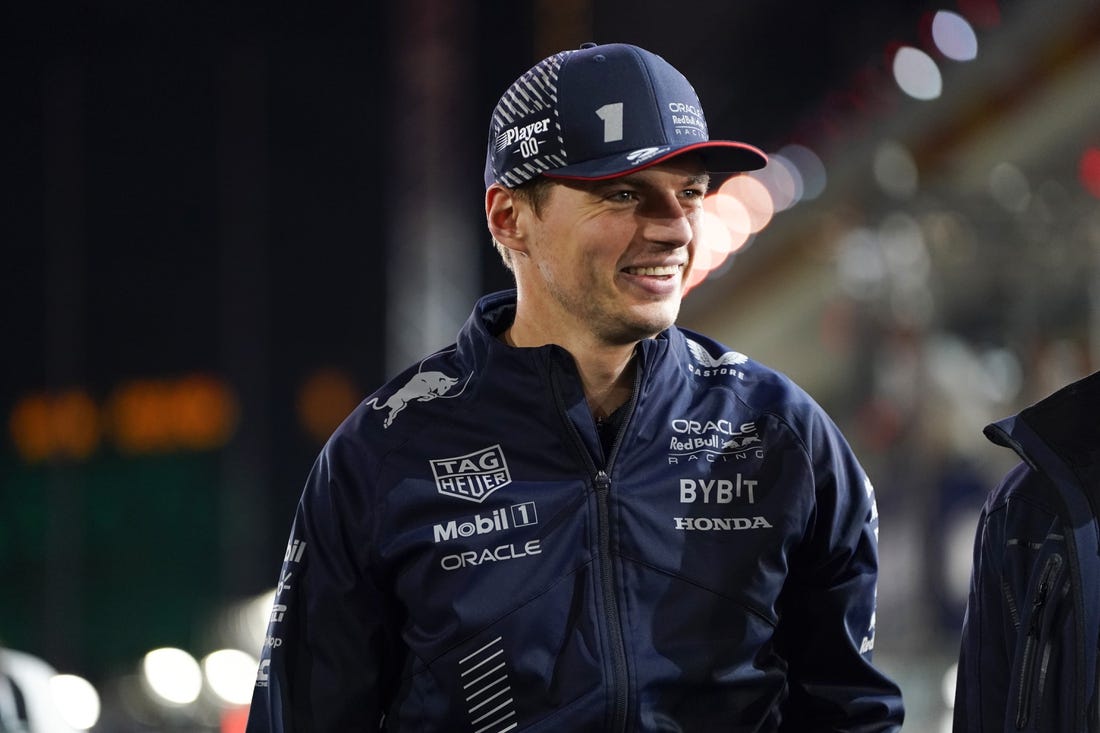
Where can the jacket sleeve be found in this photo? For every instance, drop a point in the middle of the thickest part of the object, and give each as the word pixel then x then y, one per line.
pixel 981 687
pixel 329 636
pixel 827 624
pixel 1018 550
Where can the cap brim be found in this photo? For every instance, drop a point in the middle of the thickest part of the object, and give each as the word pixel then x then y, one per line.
pixel 719 156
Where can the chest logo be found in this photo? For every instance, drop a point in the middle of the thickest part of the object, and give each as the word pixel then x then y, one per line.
pixel 472 476
pixel 709 366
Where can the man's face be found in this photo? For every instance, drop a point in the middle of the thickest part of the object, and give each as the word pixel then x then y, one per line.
pixel 611 257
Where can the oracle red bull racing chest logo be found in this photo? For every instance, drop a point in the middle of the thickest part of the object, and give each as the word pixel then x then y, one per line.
pixel 472 476
pixel 715 441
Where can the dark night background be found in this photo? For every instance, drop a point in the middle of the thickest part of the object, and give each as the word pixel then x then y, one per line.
pixel 214 191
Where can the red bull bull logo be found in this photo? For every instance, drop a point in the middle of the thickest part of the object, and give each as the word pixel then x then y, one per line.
pixel 423 387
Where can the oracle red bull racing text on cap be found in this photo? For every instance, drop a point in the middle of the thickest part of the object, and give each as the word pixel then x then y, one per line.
pixel 601 112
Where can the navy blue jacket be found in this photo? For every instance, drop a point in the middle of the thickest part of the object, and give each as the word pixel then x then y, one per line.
pixel 1029 645
pixel 465 557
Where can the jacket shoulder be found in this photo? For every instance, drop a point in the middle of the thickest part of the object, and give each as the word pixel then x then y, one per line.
pixel 395 406
pixel 757 384
pixel 1022 485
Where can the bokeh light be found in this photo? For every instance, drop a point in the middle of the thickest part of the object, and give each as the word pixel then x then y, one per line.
pixel 954 37
pixel 231 675
pixel 982 13
pixel 895 171
pixel 745 204
pixel 714 245
pixel 1088 171
pixel 195 412
pixel 172 675
pixel 947 686
pixel 917 74
pixel 326 397
pixel 65 424
pixel 810 169
pixel 76 700
pixel 782 180
pixel 1009 187
pixel 861 267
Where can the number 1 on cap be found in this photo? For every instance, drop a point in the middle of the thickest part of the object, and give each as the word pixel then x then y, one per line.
pixel 612 116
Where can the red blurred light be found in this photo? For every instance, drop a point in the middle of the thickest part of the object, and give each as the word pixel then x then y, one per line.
pixel 1089 171
pixel 234 720
pixel 924 32
pixel 981 13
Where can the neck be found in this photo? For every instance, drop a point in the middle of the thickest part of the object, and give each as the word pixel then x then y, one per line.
pixel 607 381
pixel 606 370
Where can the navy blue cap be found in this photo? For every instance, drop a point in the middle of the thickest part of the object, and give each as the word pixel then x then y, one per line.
pixel 602 112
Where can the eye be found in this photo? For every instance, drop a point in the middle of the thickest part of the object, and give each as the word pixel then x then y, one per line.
pixel 623 195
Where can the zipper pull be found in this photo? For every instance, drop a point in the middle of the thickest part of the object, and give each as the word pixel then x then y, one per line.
pixel 1039 602
pixel 603 481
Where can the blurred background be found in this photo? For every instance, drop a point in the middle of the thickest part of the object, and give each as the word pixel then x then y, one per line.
pixel 227 223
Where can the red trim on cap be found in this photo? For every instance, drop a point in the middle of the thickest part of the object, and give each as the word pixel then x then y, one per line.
pixel 667 156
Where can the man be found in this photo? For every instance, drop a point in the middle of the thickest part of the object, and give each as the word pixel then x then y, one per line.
pixel 579 517
pixel 1029 646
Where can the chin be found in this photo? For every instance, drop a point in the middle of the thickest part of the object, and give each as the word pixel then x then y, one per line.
pixel 650 324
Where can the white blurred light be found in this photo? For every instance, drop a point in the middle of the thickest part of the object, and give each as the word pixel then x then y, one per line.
pixel 254 618
pixel 173 675
pixel 947 685
pixel 809 167
pixel 76 700
pixel 1005 377
pixel 904 250
pixel 779 177
pixel 954 36
pixel 231 674
pixel 958 545
pixel 895 170
pixel 861 268
pixel 917 74
pixel 1009 187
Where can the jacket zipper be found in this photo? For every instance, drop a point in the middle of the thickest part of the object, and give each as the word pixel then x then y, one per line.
pixel 603 515
pixel 611 603
pixel 1032 652
pixel 601 478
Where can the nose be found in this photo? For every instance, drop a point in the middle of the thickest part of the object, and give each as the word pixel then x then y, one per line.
pixel 669 221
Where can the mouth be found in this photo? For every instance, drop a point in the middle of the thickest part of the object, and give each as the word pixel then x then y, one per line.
pixel 660 282
pixel 661 271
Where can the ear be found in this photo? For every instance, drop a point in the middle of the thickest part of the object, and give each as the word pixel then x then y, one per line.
pixel 504 215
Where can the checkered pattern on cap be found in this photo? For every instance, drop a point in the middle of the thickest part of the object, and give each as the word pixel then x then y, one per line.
pixel 533 94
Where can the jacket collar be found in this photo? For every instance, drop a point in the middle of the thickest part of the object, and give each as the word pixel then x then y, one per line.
pixel 1061 428
pixel 479 338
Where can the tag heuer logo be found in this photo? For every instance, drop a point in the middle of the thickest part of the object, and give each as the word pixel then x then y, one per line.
pixel 473 476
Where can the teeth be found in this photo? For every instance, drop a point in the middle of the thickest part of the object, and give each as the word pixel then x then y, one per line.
pixel 654 271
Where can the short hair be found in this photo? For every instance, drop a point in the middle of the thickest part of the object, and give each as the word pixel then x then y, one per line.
pixel 534 193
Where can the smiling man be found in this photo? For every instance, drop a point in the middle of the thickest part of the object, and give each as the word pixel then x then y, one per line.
pixel 595 520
